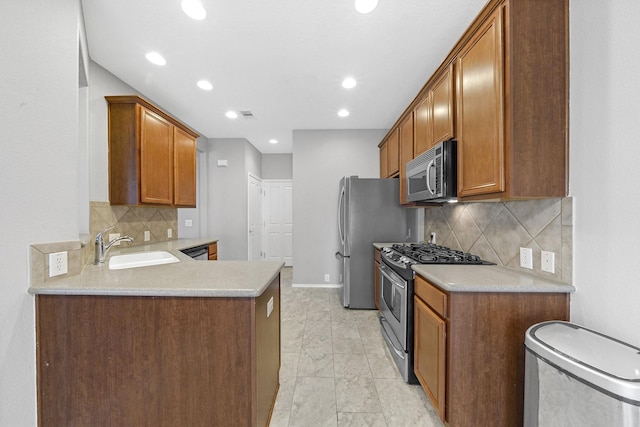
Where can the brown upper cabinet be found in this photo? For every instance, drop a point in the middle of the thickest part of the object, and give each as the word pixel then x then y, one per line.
pixel 443 107
pixel 480 98
pixel 152 156
pixel 434 113
pixel 512 102
pixel 423 125
pixel 502 93
pixel 393 153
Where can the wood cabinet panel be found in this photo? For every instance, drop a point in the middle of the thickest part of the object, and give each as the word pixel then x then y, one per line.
pixel 266 336
pixel 165 361
pixel 423 126
pixel 443 107
pixel 384 173
pixel 156 159
pixel 393 153
pixel 406 153
pixel 430 353
pixel 184 168
pixel 213 251
pixel 485 374
pixel 480 115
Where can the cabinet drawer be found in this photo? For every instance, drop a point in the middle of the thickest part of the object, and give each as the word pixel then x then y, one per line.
pixel 434 297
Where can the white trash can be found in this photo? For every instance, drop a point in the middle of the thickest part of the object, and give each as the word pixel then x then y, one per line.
pixel 578 377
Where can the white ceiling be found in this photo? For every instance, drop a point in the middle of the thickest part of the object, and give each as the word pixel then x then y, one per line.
pixel 283 60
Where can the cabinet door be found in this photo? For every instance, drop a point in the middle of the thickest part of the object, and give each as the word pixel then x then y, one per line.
pixel 383 161
pixel 442 112
pixel 184 168
pixel 406 153
pixel 480 111
pixel 423 126
pixel 393 153
pixel 156 159
pixel 213 251
pixel 430 353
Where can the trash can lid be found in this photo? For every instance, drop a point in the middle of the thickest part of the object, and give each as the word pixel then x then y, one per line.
pixel 603 361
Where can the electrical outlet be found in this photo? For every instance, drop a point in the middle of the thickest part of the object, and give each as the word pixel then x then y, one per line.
pixel 147 235
pixel 114 236
pixel 526 258
pixel 169 233
pixel 58 264
pixel 548 261
pixel 188 223
pixel 432 238
pixel 327 277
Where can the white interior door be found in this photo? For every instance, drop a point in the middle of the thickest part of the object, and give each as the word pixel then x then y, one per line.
pixel 255 218
pixel 278 217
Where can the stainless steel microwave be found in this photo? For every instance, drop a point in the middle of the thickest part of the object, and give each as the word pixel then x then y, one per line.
pixel 432 176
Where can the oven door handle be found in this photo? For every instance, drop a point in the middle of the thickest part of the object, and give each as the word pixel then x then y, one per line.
pixel 387 338
pixel 393 280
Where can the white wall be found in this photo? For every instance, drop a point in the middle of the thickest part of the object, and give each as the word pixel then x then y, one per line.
pixel 228 194
pixel 605 148
pixel 38 174
pixel 101 83
pixel 320 159
pixel 277 166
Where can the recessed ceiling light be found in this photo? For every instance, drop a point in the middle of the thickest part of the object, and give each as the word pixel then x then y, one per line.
pixel 205 85
pixel 194 9
pixel 349 83
pixel 366 6
pixel 273 141
pixel 155 58
pixel 343 113
pixel 231 114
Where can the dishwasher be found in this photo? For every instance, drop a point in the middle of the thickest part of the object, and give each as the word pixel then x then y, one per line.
pixel 199 253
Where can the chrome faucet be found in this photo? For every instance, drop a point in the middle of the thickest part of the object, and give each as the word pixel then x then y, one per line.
pixel 102 249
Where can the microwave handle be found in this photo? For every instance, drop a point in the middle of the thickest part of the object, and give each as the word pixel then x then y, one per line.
pixel 429 166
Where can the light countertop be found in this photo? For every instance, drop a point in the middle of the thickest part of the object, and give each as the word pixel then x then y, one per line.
pixel 187 278
pixel 487 278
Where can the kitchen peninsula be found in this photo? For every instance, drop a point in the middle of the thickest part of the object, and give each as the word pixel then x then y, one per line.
pixel 190 343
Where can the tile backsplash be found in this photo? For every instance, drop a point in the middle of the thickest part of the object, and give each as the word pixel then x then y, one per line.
pixel 133 221
pixel 496 231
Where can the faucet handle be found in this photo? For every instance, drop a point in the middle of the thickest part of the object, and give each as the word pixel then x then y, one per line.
pixel 100 234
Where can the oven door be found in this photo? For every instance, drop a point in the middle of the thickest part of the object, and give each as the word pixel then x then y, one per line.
pixel 393 302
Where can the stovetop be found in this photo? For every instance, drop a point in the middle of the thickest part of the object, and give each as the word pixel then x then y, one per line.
pixel 407 254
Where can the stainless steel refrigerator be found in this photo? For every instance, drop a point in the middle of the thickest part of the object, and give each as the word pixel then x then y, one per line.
pixel 369 211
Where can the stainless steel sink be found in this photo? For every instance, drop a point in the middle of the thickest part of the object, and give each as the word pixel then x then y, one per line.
pixel 141 259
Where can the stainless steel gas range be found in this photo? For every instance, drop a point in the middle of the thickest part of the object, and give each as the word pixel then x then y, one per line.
pixel 397 290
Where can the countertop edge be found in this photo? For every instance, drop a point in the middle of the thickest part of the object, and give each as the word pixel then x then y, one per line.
pixel 239 278
pixel 491 279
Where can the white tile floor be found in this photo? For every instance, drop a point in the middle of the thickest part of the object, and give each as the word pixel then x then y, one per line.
pixel 336 369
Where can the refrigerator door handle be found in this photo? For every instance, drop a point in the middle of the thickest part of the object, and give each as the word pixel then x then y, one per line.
pixel 340 203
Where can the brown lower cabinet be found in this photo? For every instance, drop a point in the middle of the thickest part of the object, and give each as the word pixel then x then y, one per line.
pixel 469 350
pixel 213 251
pixel 157 361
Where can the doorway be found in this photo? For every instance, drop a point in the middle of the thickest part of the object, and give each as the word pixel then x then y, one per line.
pixel 278 219
pixel 255 218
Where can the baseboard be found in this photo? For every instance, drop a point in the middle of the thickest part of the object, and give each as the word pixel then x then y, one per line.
pixel 313 285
